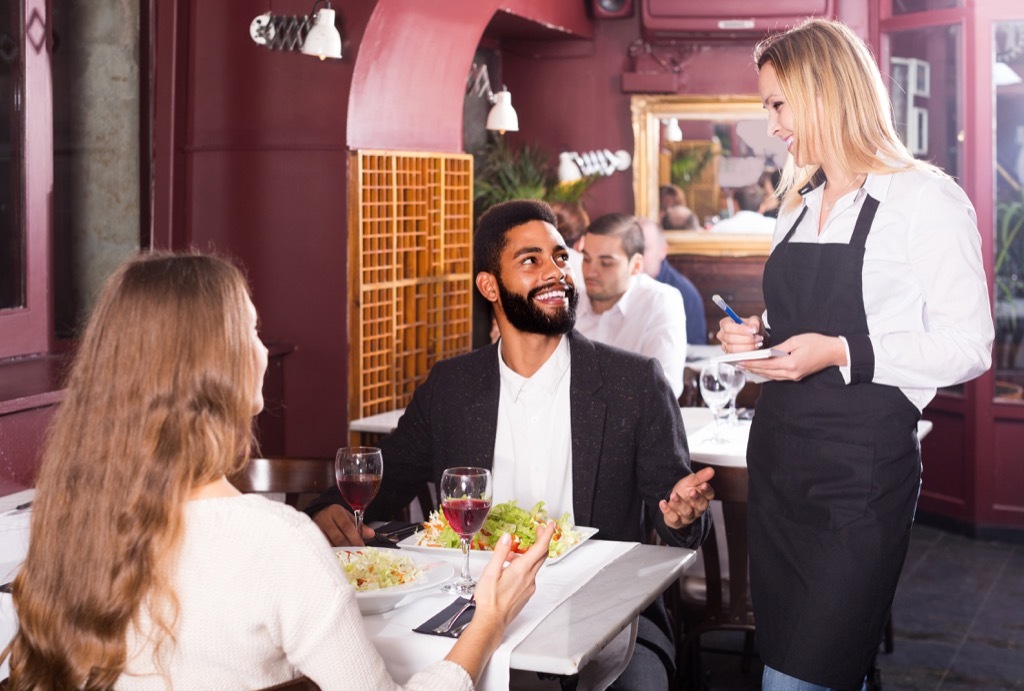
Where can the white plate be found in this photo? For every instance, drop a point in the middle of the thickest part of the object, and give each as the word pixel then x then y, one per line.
pixel 435 574
pixel 410 543
pixel 762 354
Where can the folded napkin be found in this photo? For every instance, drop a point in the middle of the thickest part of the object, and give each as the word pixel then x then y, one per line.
pixel 444 615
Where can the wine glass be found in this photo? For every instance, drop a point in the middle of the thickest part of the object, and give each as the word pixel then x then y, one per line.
pixel 358 470
pixel 718 380
pixel 736 385
pixel 465 501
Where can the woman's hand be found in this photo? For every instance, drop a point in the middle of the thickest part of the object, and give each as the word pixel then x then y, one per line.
pixel 808 353
pixel 501 593
pixel 738 338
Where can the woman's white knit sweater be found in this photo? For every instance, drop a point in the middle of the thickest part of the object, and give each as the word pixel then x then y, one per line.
pixel 262 599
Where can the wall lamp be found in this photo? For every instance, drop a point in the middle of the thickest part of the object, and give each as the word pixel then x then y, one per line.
pixel 673 133
pixel 314 34
pixel 502 117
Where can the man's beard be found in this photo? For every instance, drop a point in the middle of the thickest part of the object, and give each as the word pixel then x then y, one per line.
pixel 525 316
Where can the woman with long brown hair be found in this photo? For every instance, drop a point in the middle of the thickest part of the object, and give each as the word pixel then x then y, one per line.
pixel 146 568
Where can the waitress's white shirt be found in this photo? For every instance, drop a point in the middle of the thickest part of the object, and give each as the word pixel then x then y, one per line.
pixel 649 319
pixel 925 294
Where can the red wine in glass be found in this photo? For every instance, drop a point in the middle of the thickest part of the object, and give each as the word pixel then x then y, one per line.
pixel 358 471
pixel 466 516
pixel 359 490
pixel 465 501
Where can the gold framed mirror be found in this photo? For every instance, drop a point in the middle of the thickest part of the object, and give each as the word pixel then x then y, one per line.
pixel 724 142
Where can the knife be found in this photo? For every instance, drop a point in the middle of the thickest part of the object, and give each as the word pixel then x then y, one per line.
pixel 19 508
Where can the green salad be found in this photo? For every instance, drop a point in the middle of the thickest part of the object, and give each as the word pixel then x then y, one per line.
pixel 506 517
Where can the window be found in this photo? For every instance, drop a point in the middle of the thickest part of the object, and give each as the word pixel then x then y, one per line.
pixel 27 171
pixel 1008 267
pixel 925 86
pixel 12 228
pixel 909 6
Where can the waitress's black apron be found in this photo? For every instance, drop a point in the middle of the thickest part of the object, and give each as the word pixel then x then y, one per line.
pixel 834 476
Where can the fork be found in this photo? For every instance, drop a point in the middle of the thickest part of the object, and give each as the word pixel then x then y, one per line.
pixel 446 626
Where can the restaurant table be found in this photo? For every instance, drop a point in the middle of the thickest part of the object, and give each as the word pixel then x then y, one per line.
pixel 568 636
pixel 733 452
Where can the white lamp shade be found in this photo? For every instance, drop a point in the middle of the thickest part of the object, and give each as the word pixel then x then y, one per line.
pixel 568 171
pixel 672 131
pixel 323 39
pixel 502 117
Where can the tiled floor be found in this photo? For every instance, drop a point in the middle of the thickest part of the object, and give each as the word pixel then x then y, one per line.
pixel 958 621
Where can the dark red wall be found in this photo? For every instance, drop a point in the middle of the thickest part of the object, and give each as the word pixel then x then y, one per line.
pixel 265 150
pixel 265 158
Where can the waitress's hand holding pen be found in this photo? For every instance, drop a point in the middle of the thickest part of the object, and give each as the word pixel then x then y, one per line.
pixel 735 334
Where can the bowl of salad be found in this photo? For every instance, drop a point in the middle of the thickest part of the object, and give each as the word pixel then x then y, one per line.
pixel 383 578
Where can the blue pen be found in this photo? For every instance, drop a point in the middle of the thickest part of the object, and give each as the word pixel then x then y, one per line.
pixel 717 299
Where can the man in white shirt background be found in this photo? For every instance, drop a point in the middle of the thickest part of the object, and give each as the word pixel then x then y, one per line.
pixel 748 219
pixel 625 307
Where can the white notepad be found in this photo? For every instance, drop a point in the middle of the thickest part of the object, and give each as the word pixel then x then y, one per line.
pixel 762 354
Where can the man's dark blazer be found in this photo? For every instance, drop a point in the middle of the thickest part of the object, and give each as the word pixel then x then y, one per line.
pixel 628 443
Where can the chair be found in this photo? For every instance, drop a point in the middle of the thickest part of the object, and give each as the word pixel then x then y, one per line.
pixel 725 605
pixel 291 476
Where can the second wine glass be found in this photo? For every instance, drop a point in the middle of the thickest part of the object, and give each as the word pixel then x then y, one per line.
pixel 718 380
pixel 465 501
pixel 358 471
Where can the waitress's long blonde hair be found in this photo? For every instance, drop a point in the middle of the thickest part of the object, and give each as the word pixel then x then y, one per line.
pixel 839 103
pixel 159 401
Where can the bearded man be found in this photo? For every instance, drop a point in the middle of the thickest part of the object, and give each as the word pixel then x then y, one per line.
pixel 582 426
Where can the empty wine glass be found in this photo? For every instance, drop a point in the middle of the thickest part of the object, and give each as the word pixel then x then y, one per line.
pixel 736 385
pixel 717 385
pixel 358 471
pixel 465 501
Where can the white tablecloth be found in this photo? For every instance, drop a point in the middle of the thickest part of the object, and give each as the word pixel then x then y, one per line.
pixel 406 652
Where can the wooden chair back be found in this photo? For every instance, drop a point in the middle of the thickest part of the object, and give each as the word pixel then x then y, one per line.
pixel 287 475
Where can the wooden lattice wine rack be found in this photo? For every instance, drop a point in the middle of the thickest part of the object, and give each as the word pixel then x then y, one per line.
pixel 410 271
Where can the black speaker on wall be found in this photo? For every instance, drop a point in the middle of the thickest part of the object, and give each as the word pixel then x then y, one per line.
pixel 611 9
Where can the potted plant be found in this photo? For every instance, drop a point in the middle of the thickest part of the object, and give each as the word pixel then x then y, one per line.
pixel 1009 280
pixel 524 173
